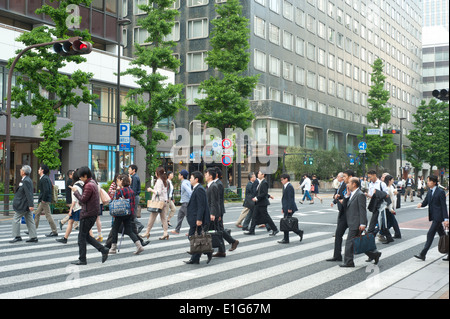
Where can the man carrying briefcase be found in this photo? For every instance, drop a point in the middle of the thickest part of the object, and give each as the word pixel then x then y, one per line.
pixel 288 223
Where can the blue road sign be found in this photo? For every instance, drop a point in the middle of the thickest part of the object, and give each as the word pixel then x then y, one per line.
pixel 362 146
pixel 125 136
pixel 226 160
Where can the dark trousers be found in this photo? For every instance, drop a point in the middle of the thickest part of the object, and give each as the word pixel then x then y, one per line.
pixel 286 233
pixel 196 257
pixel 126 221
pixel 84 237
pixel 436 227
pixel 248 218
pixel 338 236
pixel 348 258
pixel 261 216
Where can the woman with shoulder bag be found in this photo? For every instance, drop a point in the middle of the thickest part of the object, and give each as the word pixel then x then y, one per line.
pixel 159 194
pixel 124 191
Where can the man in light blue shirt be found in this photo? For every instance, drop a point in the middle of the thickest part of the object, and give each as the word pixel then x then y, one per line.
pixel 186 192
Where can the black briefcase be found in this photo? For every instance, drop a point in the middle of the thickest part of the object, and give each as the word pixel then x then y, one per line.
pixel 217 237
pixel 289 224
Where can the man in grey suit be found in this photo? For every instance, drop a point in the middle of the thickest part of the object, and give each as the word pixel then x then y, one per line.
pixel 356 212
pixel 23 205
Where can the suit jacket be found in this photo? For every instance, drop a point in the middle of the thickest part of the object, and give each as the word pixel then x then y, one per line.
pixel 341 192
pixel 45 188
pixel 437 206
pixel 197 208
pixel 263 194
pixel 288 199
pixel 213 196
pixel 23 198
pixel 248 196
pixel 222 196
pixel 355 210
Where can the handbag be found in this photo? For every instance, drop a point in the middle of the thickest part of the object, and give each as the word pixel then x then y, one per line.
pixel 364 243
pixel 104 197
pixel 289 224
pixel 312 188
pixel 200 243
pixel 217 235
pixel 443 243
pixel 155 206
pixel 120 207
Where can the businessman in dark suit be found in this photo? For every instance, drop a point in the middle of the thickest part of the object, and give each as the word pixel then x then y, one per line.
pixel 288 206
pixel 356 213
pixel 261 216
pixel 213 196
pixel 226 236
pixel 437 213
pixel 342 226
pixel 23 205
pixel 198 215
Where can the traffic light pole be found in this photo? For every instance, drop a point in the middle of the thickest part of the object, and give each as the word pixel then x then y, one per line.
pixel 298 154
pixel 8 118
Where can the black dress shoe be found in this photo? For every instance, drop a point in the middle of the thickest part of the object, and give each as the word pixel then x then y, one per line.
pixel 51 235
pixel 445 259
pixel 105 254
pixel 15 240
pixel 273 233
pixel 32 240
pixel 334 259
pixel 420 256
pixel 249 233
pixel 209 258
pixel 192 262
pixel 79 262
pixel 351 265
pixel 301 235
pixel 377 257
pixel 283 242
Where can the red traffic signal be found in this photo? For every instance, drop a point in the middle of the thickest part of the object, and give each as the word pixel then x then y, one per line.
pixel 391 131
pixel 73 46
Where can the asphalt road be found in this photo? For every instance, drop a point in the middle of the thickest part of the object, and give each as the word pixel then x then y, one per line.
pixel 259 268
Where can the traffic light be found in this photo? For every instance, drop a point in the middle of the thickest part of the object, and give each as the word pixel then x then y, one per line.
pixel 311 160
pixel 73 46
pixel 441 95
pixel 391 131
pixel 305 161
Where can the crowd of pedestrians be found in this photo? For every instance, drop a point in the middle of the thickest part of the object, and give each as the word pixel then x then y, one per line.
pixel 202 204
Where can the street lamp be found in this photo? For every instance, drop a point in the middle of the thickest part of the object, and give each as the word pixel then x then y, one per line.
pixel 120 24
pixel 401 145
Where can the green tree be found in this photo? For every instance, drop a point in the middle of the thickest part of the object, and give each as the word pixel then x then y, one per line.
pixel 41 91
pixel 378 147
pixel 226 103
pixel 430 136
pixel 154 100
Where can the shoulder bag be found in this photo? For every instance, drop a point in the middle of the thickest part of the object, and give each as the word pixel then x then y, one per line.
pixel 155 206
pixel 200 243
pixel 120 207
pixel 443 243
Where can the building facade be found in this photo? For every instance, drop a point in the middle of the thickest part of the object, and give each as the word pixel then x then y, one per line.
pixel 314 59
pixel 93 137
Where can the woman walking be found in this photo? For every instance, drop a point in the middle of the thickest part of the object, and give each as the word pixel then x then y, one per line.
pixel 315 188
pixel 159 194
pixel 124 191
pixel 75 207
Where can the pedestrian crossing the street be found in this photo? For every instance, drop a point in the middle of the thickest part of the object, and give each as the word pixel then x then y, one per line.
pixel 260 268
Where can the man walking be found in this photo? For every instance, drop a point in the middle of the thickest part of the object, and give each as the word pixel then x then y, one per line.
pixel 186 192
pixel 409 188
pixel 288 206
pixel 45 197
pixel 344 179
pixel 261 216
pixel 248 203
pixel 437 213
pixel 198 215
pixel 136 187
pixel 306 184
pixel 23 206
pixel 90 209
pixel 356 213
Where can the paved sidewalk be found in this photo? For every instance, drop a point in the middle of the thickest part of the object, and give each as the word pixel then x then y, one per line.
pixel 430 282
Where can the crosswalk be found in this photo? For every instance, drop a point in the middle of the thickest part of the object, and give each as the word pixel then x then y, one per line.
pixel 260 268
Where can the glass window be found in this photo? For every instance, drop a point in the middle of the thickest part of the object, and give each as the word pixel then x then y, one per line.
pixel 196 62
pixel 311 138
pixel 198 28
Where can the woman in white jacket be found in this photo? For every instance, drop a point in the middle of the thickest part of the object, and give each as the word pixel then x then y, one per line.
pixel 390 210
pixel 160 194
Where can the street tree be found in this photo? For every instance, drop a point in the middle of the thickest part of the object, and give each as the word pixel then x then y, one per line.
pixel 226 103
pixel 41 91
pixel 378 147
pixel 154 99
pixel 430 136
